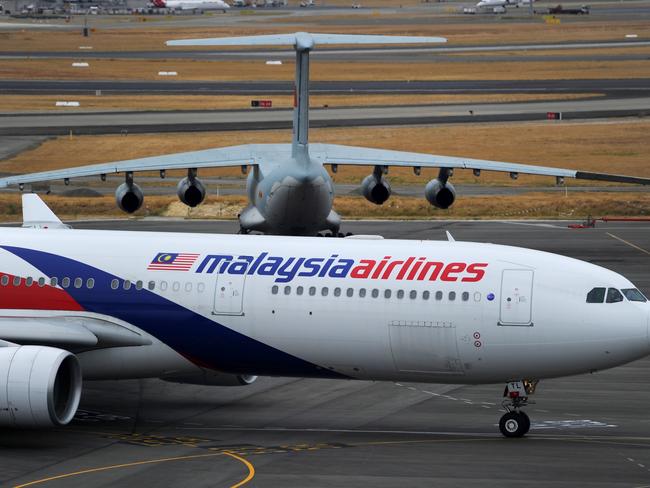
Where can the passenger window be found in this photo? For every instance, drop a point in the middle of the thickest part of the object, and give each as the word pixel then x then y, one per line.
pixel 350 292
pixel 54 281
pixel 4 280
pixel 413 295
pixel 438 295
pixel 452 296
pixel 477 296
pixel 65 282
pixel 465 296
pixel 634 295
pixel 375 293
pixel 362 292
pixel 299 290
pixel 287 290
pixel 274 289
pixel 41 282
pixel 200 287
pixel 139 285
pixel 176 286
pixel 28 281
pixel 400 294
pixel 596 295
pixel 127 285
pixel 324 291
pixel 312 291
pixel 78 282
pixel 151 285
pixel 16 280
pixel 188 286
pixel 337 292
pixel 163 285
pixel 90 283
pixel 614 296
pixel 387 293
pixel 425 295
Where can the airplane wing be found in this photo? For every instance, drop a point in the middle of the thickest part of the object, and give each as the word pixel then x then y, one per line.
pixel 362 156
pixel 246 154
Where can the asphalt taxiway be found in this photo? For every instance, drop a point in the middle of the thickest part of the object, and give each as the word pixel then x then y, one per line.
pixel 587 431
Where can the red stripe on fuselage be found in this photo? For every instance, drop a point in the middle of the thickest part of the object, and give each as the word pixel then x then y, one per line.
pixel 35 297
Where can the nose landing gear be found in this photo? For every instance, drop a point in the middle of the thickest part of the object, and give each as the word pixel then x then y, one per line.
pixel 515 423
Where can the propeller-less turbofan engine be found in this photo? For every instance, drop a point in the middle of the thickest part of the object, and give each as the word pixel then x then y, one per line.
pixel 439 192
pixel 375 187
pixel 129 196
pixel 190 189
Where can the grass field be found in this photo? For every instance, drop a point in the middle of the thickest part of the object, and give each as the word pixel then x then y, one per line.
pixel 38 103
pixel 113 69
pixel 152 35
pixel 610 147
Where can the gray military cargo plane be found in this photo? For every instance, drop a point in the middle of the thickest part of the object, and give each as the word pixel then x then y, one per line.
pixel 289 190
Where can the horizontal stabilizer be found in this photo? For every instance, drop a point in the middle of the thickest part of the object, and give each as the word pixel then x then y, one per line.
pixel 305 40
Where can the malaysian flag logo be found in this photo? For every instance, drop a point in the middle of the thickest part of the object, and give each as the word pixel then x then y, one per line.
pixel 173 261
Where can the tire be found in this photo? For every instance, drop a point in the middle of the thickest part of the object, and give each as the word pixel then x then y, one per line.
pixel 514 424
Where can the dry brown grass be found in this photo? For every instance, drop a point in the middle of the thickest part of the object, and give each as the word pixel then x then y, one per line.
pixel 22 103
pixel 534 205
pixel 152 35
pixel 108 69
pixel 611 147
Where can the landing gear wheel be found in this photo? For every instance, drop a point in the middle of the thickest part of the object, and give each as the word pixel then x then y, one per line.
pixel 514 424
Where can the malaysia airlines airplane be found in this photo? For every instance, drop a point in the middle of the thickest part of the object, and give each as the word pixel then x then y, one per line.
pixel 223 309
pixel 192 4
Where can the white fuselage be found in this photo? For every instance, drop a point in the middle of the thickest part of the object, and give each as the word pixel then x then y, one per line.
pixel 197 4
pixel 346 308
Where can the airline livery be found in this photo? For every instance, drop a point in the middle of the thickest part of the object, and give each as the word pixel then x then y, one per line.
pixel 222 309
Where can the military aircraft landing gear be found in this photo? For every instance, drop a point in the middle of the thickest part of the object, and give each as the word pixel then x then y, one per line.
pixel 515 422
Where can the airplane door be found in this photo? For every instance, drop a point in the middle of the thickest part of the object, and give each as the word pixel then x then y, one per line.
pixel 425 347
pixel 229 295
pixel 516 297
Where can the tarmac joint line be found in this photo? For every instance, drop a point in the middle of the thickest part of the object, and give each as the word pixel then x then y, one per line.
pixel 629 244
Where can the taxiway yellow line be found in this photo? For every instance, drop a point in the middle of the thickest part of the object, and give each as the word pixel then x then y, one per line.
pixel 251 469
pixel 629 243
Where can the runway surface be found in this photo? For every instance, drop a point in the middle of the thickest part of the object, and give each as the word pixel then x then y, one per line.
pixel 587 431
pixel 182 121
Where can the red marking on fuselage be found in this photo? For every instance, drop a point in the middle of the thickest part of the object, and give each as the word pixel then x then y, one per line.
pixel 35 297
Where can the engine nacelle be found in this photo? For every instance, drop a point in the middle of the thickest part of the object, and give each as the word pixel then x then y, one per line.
pixel 129 197
pixel 375 190
pixel 39 386
pixel 213 379
pixel 439 194
pixel 190 192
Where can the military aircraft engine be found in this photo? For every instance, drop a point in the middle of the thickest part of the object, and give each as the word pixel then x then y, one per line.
pixel 375 189
pixel 439 194
pixel 40 386
pixel 129 197
pixel 191 191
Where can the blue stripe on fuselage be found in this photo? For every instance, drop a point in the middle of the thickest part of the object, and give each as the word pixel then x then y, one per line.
pixel 202 340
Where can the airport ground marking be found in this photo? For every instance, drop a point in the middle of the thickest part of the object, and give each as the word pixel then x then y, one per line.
pixel 629 244
pixel 251 470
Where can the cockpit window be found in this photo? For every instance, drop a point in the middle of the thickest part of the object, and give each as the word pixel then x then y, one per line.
pixel 613 295
pixel 597 295
pixel 634 295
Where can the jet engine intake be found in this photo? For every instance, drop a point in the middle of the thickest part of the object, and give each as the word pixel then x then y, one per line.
pixel 439 194
pixel 129 197
pixel 40 386
pixel 375 189
pixel 191 191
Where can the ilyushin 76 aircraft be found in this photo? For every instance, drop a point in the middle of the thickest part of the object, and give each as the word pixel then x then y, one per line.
pixel 289 190
pixel 223 309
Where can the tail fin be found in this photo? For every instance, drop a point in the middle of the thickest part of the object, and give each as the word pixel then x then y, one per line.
pixel 37 215
pixel 304 42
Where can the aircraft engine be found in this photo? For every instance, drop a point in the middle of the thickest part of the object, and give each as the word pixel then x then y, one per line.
pixel 213 379
pixel 39 386
pixel 191 191
pixel 375 189
pixel 129 197
pixel 439 194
